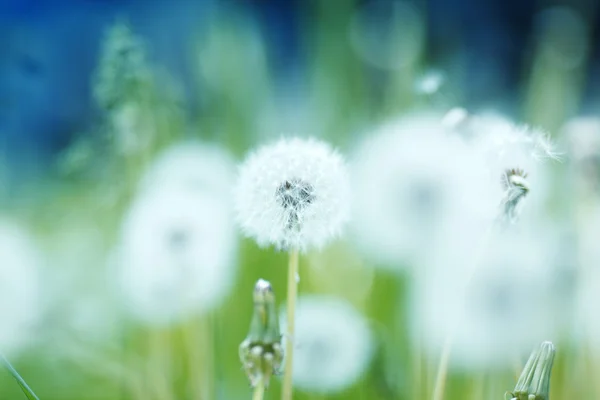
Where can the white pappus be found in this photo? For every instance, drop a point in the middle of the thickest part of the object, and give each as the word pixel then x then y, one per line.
pixel 293 193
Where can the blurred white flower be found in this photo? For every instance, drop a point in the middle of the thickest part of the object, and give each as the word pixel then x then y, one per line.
pixel 20 287
pixel 412 180
pixel 192 165
pixel 177 253
pixel 333 344
pixel 293 194
pixel 518 296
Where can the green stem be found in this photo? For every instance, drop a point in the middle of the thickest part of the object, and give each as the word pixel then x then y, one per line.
pixel 286 393
pixel 442 371
pixel 259 390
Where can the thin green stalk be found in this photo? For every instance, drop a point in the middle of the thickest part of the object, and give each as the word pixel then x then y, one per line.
pixel 259 390
pixel 286 393
pixel 442 369
pixel 442 372
pixel 24 386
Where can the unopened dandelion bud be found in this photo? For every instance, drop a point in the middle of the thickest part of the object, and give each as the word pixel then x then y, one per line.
pixel 534 382
pixel 260 352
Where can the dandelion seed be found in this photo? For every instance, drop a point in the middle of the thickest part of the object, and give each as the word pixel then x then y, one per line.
pixel 20 287
pixel 176 257
pixel 333 344
pixel 293 194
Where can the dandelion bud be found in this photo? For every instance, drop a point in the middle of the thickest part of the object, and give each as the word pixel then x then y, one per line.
pixel 261 353
pixel 534 382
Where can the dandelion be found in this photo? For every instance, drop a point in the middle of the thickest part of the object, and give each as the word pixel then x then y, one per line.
pixel 413 181
pixel 293 194
pixel 20 287
pixel 518 296
pixel 176 256
pixel 334 344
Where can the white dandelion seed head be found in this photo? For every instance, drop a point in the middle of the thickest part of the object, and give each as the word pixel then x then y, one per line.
pixel 333 344
pixel 192 165
pixel 412 178
pixel 518 296
pixel 293 194
pixel 177 254
pixel 20 287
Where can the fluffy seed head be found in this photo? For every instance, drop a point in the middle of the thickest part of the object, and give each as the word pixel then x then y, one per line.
pixel 519 295
pixel 177 253
pixel 412 181
pixel 293 194
pixel 333 344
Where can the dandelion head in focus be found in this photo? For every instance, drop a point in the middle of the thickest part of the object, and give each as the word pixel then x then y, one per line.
pixel 293 194
pixel 412 179
pixel 333 344
pixel 20 287
pixel 177 254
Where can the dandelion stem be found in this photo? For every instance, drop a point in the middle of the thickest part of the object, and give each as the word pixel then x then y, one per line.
pixel 442 370
pixel 259 390
pixel 286 393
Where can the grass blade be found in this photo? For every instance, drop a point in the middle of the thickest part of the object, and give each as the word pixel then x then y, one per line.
pixel 24 386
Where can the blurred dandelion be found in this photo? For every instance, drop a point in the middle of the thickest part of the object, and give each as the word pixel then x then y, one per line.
pixel 412 181
pixel 519 295
pixel 334 344
pixel 20 288
pixel 177 252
